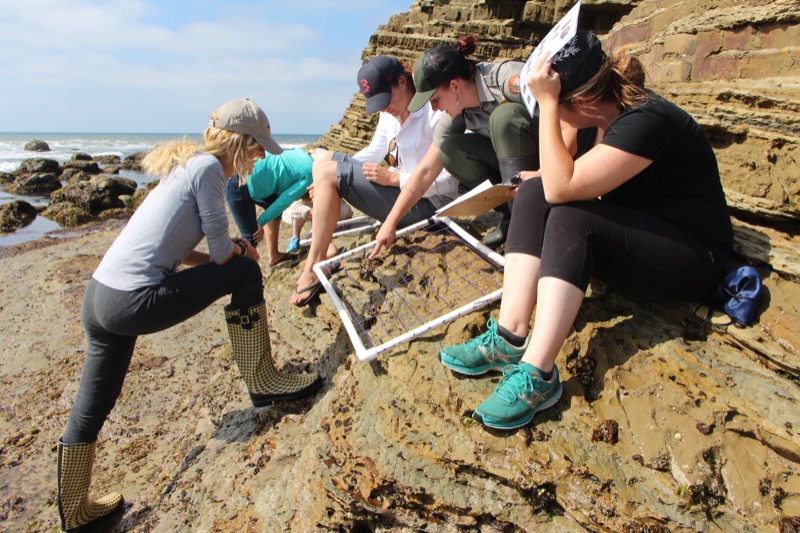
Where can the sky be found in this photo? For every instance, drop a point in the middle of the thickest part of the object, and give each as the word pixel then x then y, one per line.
pixel 161 66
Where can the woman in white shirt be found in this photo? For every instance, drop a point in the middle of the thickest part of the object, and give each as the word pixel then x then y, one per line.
pixel 402 138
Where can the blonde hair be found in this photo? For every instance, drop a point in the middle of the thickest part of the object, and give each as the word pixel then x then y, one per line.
pixel 239 148
pixel 621 79
pixel 167 155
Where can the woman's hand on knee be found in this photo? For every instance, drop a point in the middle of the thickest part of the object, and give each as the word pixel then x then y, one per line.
pixel 380 175
pixel 251 251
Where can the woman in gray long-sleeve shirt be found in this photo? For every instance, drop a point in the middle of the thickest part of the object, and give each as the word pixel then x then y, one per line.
pixel 137 289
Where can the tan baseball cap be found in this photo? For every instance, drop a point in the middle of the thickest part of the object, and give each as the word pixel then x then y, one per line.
pixel 244 116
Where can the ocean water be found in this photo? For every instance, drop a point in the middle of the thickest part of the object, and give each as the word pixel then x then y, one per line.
pixel 64 145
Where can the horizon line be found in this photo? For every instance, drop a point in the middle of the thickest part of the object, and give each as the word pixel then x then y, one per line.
pixel 145 133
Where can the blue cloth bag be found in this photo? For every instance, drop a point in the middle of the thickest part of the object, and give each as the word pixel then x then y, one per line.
pixel 739 294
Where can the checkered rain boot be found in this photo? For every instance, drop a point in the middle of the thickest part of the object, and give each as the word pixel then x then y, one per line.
pixel 251 350
pixel 74 477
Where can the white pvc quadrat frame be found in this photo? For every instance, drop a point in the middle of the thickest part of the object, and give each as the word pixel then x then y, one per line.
pixel 365 354
pixel 345 227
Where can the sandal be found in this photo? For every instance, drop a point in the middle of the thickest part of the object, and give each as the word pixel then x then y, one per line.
pixel 288 256
pixel 313 291
pixel 314 288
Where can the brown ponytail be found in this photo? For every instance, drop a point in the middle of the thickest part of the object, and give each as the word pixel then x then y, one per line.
pixel 628 80
pixel 465 45
pixel 621 79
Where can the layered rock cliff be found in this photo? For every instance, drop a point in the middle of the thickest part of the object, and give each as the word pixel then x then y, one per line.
pixel 732 64
pixel 658 429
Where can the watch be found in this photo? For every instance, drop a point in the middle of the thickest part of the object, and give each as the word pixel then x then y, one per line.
pixel 243 247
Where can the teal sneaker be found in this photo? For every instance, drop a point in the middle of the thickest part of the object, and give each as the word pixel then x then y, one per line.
pixel 520 394
pixel 293 246
pixel 483 353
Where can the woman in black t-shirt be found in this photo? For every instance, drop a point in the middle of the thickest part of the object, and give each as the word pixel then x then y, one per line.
pixel 642 207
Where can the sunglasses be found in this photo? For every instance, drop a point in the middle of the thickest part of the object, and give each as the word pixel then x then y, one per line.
pixel 393 157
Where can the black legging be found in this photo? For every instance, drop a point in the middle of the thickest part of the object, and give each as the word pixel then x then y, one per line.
pixel 114 319
pixel 618 244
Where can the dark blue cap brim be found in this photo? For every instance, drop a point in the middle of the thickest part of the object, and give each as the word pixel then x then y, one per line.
pixel 378 102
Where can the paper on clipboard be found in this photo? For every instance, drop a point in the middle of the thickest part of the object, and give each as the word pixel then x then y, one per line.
pixel 477 201
pixel 556 38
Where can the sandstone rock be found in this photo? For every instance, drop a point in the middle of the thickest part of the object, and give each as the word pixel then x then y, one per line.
pixel 138 197
pixel 37 146
pixel 737 78
pixel 123 184
pixel 81 156
pixel 116 212
pixel 38 164
pixel 111 169
pixel 133 162
pixel 74 175
pixel 6 178
pixel 16 214
pixel 90 167
pixel 97 194
pixel 67 214
pixel 38 183
pixel 127 200
pixel 108 159
pixel 141 194
pixel 390 442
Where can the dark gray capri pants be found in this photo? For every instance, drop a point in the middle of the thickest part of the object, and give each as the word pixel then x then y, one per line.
pixel 114 319
pixel 377 200
pixel 629 248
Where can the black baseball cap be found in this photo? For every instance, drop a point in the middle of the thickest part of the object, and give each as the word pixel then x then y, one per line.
pixel 578 61
pixel 375 79
pixel 435 67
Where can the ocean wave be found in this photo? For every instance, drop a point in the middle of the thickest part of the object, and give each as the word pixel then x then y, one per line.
pixel 64 145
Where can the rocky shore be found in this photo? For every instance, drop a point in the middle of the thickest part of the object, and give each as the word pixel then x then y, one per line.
pixel 657 430
pixel 80 190
pixel 661 427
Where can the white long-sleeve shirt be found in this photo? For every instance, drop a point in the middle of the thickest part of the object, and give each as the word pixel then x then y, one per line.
pixel 413 138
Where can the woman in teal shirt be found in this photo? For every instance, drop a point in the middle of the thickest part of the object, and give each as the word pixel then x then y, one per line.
pixel 276 182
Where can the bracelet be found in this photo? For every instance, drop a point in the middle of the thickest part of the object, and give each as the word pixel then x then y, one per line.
pixel 242 246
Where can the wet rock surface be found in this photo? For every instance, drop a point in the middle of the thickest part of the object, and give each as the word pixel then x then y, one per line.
pixel 706 429
pixel 37 146
pixel 78 192
pixel 95 195
pixel 36 184
pixel 133 162
pixel 16 214
pixel 38 165
pixel 87 166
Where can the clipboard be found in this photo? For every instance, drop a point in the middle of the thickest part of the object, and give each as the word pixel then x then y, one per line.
pixel 479 200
